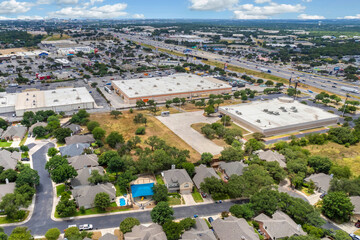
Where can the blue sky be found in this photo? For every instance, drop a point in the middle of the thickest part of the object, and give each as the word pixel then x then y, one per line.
pixel 202 9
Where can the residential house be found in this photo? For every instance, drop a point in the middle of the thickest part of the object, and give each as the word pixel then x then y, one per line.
pixel 84 196
pixel 280 225
pixel 272 156
pixel 38 124
pixel 81 161
pixel 15 133
pixel 80 139
pixel 178 180
pixel 73 149
pixel 8 160
pixel 83 175
pixel 109 236
pixel 140 232
pixel 76 129
pixel 201 231
pixel 232 168
pixel 321 180
pixel 6 188
pixel 233 228
pixel 202 172
pixel 355 200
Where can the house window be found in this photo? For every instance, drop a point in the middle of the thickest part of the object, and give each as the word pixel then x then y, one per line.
pixel 186 185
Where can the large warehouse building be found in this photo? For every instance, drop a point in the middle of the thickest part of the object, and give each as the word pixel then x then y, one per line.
pixel 278 116
pixel 61 99
pixel 160 89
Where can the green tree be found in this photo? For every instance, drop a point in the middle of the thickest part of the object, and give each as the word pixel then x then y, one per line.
pixel 206 158
pixel 98 133
pixel 115 113
pixel 66 207
pixel 20 233
pixel 214 186
pixel 162 213
pixel 52 152
pixel 92 125
pixel 337 206
pixel 63 173
pixel 125 179
pixel 114 138
pixel 242 211
pixel 340 171
pixel 189 167
pixel 106 156
pixel 209 110
pixel 102 200
pixel 253 145
pixel 52 234
pixel 275 171
pixel 73 233
pixel 172 230
pixel 231 154
pixel 28 176
pixel 115 165
pixel 96 178
pixel 160 193
pixel 3 236
pixel 128 223
pixel 320 164
pixel 3 124
pixel 341 235
pixel 8 174
pixel 61 133
pixel 39 131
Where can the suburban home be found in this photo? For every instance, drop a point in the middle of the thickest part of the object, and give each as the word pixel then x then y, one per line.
pixel 84 196
pixel 76 129
pixel 140 232
pixel 355 200
pixel 233 228
pixel 8 160
pixel 6 188
pixel 81 161
pixel 38 124
pixel 73 149
pixel 202 172
pixel 272 156
pixel 280 225
pixel 201 231
pixel 321 180
pixel 15 133
pixel 80 139
pixel 178 180
pixel 232 168
pixel 83 175
pixel 109 236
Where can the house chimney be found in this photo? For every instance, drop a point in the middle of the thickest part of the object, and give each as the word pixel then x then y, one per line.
pixel 6 181
pixel 77 145
pixel 173 166
pixel 89 170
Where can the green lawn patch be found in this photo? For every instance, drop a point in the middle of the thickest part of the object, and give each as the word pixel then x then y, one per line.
pixel 119 191
pixel 197 196
pixel 4 220
pixel 24 139
pixel 24 155
pixel 174 199
pixel 159 179
pixel 60 189
pixel 5 144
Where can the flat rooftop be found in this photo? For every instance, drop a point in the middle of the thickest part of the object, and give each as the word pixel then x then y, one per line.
pixel 7 99
pixel 277 113
pixel 173 84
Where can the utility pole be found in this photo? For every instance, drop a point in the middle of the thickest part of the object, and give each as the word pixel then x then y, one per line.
pixel 347 95
pixel 296 85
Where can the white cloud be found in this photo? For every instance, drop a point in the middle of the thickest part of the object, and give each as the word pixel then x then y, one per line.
pixel 307 0
pixel 102 12
pixel 92 2
pixel 138 15
pixel 262 1
pixel 357 16
pixel 66 2
pixel 209 5
pixel 30 17
pixel 308 17
pixel 40 2
pixel 250 11
pixel 12 6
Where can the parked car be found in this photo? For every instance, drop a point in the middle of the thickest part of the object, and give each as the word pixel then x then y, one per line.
pixel 69 226
pixel 85 227
pixel 204 195
pixel 357 224
pixel 25 159
pixel 354 237
pixel 210 219
pixel 322 195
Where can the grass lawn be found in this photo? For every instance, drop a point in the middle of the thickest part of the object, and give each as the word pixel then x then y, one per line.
pixel 305 190
pixel 60 189
pixel 357 232
pixel 197 196
pixel 174 199
pixel 125 125
pixel 23 140
pixel 339 154
pixel 4 220
pixel 159 179
pixel 5 144
pixel 24 155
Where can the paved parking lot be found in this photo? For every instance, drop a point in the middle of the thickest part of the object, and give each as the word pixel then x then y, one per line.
pixel 181 123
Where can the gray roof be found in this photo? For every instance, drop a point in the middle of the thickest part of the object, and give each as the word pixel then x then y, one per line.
pixel 85 195
pixel 109 236
pixel 83 175
pixel 6 188
pixel 9 159
pixel 140 232
pixel 17 131
pixel 233 228
pixel 355 200
pixel 73 149
pixel 81 161
pixel 176 177
pixel 280 225
pixel 203 172
pixel 80 139
pixel 201 231
pixel 272 156
pixel 74 127
pixel 38 124
pixel 321 180
pixel 231 168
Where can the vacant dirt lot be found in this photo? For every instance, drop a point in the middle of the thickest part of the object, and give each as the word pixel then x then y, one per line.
pixel 12 50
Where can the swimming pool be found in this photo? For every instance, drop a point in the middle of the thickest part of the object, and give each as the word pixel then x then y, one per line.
pixel 142 190
pixel 122 201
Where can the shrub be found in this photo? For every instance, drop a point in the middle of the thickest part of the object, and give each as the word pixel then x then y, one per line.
pixel 140 131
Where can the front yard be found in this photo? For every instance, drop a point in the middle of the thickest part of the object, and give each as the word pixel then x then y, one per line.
pixel 5 144
pixel 197 196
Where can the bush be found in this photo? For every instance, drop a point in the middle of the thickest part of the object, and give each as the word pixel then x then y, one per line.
pixel 128 223
pixel 52 234
pixel 92 125
pixel 140 131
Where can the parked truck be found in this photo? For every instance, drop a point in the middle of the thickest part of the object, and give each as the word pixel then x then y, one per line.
pixel 265 70
pixel 351 90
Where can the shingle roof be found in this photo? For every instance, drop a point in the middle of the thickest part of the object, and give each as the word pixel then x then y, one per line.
pixel 85 195
pixel 9 159
pixel 83 175
pixel 73 149
pixel 231 168
pixel 6 188
pixel 81 161
pixel 280 225
pixel 201 231
pixel 74 127
pixel 140 232
pixel 176 177
pixel 233 228
pixel 271 156
pixel 203 172
pixel 109 236
pixel 17 131
pixel 355 200
pixel 80 139
pixel 321 180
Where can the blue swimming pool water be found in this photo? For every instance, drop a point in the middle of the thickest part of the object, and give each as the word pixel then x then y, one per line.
pixel 122 202
pixel 142 190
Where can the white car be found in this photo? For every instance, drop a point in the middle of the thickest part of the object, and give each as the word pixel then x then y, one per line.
pixel 85 227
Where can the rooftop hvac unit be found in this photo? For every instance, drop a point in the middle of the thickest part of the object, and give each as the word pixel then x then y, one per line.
pixel 177 83
pixel 74 90
pixel 199 85
pixel 154 86
pixel 78 98
pixel 202 81
pixel 141 80
pixel 174 77
pixel 3 102
pixel 265 110
pixel 34 95
pixel 170 89
pixel 55 100
pixel 130 88
pixel 27 94
pixel 27 99
pixel 122 82
pixel 157 79
pixel 53 91
pixel 136 93
pixel 258 121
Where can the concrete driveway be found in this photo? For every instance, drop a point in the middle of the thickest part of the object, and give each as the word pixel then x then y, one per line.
pixel 181 123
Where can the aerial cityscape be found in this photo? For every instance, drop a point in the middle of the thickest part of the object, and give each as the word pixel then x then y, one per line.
pixel 187 119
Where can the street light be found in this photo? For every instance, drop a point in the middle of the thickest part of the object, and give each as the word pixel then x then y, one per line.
pixel 347 95
pixel 296 85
